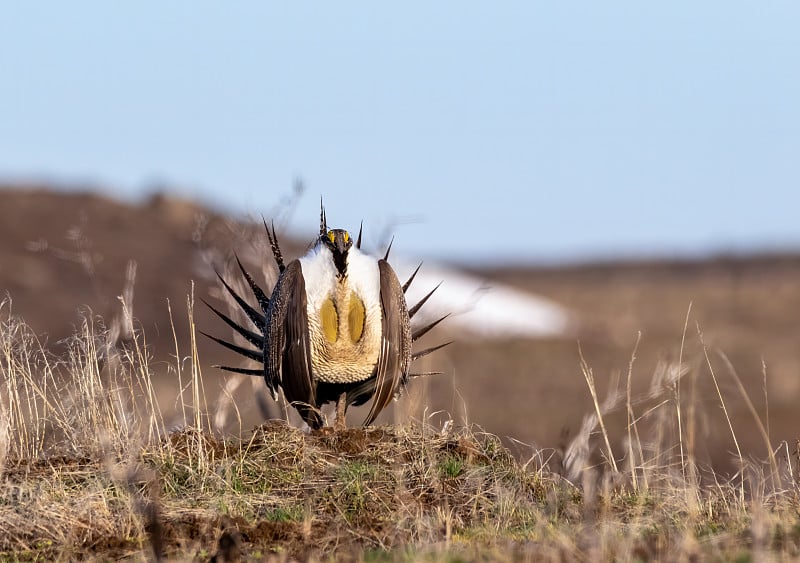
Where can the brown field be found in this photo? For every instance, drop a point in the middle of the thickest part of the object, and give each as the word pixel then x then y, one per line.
pixel 744 309
pixel 708 465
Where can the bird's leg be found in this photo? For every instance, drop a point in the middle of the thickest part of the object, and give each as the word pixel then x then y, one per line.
pixel 341 405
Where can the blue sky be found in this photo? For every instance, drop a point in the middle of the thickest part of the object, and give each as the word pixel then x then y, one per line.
pixel 506 131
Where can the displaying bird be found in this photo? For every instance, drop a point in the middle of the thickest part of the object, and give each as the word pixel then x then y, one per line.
pixel 336 328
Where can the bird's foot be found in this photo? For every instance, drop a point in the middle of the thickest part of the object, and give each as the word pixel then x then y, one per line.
pixel 340 424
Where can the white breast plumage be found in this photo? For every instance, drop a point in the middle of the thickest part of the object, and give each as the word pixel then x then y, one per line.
pixel 338 353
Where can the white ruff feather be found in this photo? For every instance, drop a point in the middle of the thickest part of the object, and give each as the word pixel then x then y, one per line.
pixel 319 274
pixel 365 278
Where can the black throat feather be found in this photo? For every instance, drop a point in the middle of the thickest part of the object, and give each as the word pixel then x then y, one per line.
pixel 340 261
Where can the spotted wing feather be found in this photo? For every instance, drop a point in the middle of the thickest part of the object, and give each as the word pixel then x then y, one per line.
pixel 391 371
pixel 287 352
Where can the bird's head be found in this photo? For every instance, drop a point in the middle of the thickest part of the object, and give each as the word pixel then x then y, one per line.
pixel 339 243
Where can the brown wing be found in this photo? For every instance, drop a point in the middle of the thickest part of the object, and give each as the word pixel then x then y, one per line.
pixel 287 352
pixel 391 371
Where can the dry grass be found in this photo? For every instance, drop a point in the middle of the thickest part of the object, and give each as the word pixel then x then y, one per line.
pixel 90 469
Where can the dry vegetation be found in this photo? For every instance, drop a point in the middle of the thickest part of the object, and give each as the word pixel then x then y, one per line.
pixel 90 469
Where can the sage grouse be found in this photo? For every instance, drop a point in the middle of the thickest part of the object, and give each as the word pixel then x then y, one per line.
pixel 336 328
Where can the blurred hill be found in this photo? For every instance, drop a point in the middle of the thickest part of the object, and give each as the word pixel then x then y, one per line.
pixel 61 252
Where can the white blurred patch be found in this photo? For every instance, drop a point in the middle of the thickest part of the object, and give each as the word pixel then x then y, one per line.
pixel 480 308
